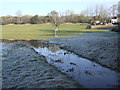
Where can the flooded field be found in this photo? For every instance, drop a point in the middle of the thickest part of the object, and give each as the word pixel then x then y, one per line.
pixel 88 73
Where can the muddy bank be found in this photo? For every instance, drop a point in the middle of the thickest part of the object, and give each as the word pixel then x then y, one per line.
pixel 22 67
pixel 99 47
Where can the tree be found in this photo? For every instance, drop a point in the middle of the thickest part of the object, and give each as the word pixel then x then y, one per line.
pixel 19 16
pixel 26 19
pixel 82 18
pixel 97 10
pixel 85 16
pixel 103 12
pixel 35 19
pixel 56 20
pixel 69 14
pixel 7 20
pixel 114 10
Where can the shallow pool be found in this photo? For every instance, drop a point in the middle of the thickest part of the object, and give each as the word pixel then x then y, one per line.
pixel 86 72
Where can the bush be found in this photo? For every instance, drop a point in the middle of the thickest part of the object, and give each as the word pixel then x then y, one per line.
pixel 88 27
pixel 116 29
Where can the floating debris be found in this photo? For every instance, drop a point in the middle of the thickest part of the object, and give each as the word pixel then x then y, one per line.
pixel 70 70
pixel 59 61
pixel 72 63
pixel 90 73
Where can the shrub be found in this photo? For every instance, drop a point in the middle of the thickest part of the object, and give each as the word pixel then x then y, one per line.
pixel 88 27
pixel 116 29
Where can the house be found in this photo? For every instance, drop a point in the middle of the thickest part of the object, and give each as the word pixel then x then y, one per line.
pixel 114 20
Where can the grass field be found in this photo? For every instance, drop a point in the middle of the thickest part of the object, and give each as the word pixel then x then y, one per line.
pixel 43 31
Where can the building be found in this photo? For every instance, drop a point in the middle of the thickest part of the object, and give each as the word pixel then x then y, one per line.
pixel 114 20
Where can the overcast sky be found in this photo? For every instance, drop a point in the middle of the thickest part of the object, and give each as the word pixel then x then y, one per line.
pixel 43 7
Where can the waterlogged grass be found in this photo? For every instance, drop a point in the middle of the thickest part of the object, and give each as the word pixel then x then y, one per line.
pixel 44 31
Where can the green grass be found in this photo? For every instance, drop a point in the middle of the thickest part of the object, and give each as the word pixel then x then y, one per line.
pixel 43 31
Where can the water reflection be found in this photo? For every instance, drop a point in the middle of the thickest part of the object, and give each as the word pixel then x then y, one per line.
pixel 86 72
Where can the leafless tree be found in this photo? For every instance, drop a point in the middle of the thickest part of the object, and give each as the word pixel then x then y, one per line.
pixel 97 10
pixel 89 11
pixel 19 16
pixel 19 13
pixel 69 14
pixel 56 20
pixel 114 10
pixel 103 12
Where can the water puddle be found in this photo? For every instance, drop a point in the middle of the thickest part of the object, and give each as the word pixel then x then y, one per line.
pixel 86 72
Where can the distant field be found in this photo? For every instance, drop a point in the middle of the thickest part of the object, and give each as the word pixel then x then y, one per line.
pixel 44 31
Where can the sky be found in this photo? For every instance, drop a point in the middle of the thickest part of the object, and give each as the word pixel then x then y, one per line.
pixel 43 7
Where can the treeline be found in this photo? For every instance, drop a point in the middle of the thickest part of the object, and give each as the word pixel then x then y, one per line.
pixel 47 19
pixel 25 19
pixel 89 15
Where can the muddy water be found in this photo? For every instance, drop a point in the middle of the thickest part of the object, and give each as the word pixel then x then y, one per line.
pixel 86 72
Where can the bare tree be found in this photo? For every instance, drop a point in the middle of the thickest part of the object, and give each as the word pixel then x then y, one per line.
pixel 97 10
pixel 114 10
pixel 69 12
pixel 85 12
pixel 89 11
pixel 56 20
pixel 69 15
pixel 103 12
pixel 19 16
pixel 19 13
